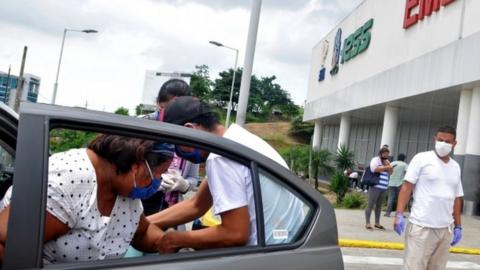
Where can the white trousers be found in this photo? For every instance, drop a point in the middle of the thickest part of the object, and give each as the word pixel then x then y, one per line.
pixel 426 248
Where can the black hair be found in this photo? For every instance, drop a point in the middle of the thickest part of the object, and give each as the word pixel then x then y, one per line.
pixel 121 151
pixel 401 157
pixel 207 120
pixel 449 130
pixel 173 88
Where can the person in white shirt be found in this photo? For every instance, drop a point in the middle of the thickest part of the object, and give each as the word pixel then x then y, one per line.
pixel 229 189
pixel 435 180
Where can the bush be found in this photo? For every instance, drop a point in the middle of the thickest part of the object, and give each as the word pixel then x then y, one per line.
pixel 339 184
pixel 354 201
pixel 344 158
pixel 297 158
pixel 303 131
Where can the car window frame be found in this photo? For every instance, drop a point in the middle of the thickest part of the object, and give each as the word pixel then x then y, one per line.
pixel 301 235
pixel 8 129
pixel 44 118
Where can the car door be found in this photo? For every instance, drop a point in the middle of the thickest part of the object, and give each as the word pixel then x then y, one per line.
pixel 8 140
pixel 314 246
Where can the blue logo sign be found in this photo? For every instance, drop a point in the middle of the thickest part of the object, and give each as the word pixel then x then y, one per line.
pixel 321 74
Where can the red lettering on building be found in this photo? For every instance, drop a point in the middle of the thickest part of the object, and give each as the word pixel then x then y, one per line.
pixel 425 9
pixel 410 20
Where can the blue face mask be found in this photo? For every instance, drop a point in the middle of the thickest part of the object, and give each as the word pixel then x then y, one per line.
pixel 194 156
pixel 145 192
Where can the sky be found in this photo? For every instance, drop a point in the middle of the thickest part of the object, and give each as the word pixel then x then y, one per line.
pixel 105 71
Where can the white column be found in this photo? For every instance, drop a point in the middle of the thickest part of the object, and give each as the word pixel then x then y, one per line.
pixel 389 130
pixel 463 121
pixel 344 132
pixel 317 135
pixel 473 143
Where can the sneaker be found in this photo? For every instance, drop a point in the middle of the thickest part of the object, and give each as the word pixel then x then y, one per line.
pixel 365 191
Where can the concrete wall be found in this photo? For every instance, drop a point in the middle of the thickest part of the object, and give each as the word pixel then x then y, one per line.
pixel 454 65
pixel 391 44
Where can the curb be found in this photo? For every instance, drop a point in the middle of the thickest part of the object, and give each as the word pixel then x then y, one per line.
pixel 397 246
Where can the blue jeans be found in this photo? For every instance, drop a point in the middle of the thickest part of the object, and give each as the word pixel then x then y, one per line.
pixel 392 197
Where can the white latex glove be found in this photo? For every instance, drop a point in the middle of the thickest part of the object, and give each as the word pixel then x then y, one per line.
pixel 174 181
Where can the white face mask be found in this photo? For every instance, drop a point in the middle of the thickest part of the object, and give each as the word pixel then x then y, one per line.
pixel 443 148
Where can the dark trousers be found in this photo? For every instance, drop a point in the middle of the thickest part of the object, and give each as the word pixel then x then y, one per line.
pixel 392 197
pixel 376 197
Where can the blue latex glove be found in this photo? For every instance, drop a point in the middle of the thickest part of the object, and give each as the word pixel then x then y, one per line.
pixel 399 224
pixel 457 235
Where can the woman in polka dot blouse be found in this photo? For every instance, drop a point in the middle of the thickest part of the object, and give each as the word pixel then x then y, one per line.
pixel 94 210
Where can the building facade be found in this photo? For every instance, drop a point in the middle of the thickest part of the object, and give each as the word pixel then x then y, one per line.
pixel 153 81
pixel 392 72
pixel 8 88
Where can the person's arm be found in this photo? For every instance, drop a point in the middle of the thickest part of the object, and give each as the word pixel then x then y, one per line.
pixel 184 211
pixel 233 231
pixel 383 168
pixel 457 211
pixel 376 165
pixel 54 228
pixel 3 230
pixel 146 236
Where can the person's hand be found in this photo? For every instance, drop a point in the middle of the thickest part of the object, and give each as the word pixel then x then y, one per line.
pixel 166 244
pixel 399 223
pixel 174 181
pixel 457 235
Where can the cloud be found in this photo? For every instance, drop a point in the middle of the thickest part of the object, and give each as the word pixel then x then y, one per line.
pixel 108 68
pixel 231 4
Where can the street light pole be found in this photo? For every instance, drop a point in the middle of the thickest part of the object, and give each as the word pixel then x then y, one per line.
pixel 248 62
pixel 229 109
pixel 55 86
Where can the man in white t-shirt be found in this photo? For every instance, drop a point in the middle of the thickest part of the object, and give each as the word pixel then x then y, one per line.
pixel 435 180
pixel 229 190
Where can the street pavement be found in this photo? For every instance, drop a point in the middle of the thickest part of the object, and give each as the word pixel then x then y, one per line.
pixel 351 225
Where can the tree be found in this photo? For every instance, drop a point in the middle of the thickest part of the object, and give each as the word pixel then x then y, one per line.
pixel 339 185
pixel 221 88
pixel 265 95
pixel 122 111
pixel 344 158
pixel 65 139
pixel 301 130
pixel 200 83
pixel 321 164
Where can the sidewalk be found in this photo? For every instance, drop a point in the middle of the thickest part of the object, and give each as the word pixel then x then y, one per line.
pixel 351 225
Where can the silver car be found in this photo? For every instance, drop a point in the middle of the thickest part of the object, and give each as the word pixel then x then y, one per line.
pixel 315 245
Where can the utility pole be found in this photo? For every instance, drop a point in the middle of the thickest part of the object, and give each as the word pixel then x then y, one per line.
pixel 20 82
pixel 248 63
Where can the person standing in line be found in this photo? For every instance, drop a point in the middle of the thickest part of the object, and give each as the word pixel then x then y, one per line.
pixel 396 180
pixel 435 179
pixel 376 194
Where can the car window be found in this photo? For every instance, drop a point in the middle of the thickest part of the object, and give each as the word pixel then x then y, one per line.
pixel 6 171
pixel 285 213
pixel 72 200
